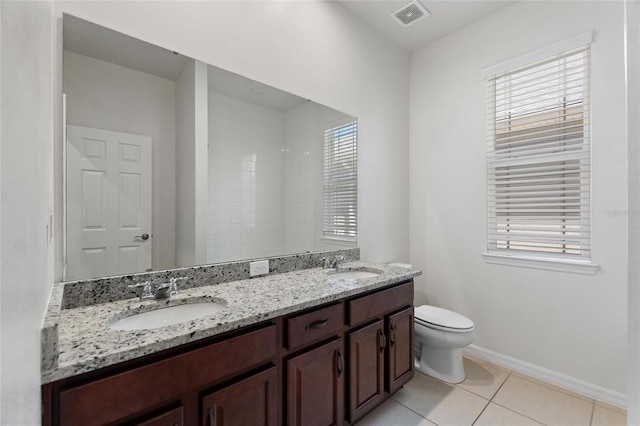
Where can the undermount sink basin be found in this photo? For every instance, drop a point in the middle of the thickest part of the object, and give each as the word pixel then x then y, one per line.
pixel 169 315
pixel 354 274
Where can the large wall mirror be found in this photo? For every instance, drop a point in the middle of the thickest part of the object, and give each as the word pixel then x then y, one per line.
pixel 171 162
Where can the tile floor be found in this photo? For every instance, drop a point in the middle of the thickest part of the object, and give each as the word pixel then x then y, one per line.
pixel 490 396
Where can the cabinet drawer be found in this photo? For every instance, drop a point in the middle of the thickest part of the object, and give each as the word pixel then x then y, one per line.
pixel 314 325
pixel 173 417
pixel 127 393
pixel 373 305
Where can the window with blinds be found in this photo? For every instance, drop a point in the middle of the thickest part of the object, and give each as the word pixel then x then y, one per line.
pixel 340 182
pixel 538 159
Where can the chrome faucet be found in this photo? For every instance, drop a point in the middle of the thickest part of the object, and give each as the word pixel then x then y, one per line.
pixel 163 291
pixel 332 262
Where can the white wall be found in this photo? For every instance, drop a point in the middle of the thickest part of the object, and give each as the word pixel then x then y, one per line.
pixel 303 146
pixel 265 179
pixel 632 15
pixel 191 164
pixel 568 323
pixel 303 179
pixel 111 97
pixel 317 50
pixel 26 254
pixel 246 172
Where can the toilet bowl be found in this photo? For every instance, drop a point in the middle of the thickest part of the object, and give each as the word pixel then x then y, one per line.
pixel 439 336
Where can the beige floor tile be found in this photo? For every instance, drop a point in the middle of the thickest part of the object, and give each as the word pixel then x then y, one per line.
pixel 554 387
pixel 543 404
pixel 482 378
pixel 611 407
pixel 608 416
pixel 495 415
pixel 392 413
pixel 439 402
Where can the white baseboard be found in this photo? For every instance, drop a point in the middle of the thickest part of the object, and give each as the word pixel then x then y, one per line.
pixel 572 384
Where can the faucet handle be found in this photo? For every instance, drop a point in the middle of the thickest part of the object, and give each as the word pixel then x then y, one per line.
pixel 147 293
pixel 173 285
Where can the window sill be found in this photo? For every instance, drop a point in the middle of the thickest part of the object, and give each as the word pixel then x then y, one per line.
pixel 576 267
pixel 340 241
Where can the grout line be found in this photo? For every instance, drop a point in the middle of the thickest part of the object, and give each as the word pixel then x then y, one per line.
pixel 413 411
pixel 500 387
pixel 520 414
pixel 480 415
pixel 507 408
pixel 492 402
pixel 593 410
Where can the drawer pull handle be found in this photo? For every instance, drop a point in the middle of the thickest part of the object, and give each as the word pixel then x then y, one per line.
pixel 392 335
pixel 383 344
pixel 317 324
pixel 340 363
pixel 212 419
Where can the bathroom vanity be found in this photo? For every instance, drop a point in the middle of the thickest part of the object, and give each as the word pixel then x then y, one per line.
pixel 306 347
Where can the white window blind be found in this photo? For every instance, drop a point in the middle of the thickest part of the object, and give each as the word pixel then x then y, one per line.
pixel 340 181
pixel 538 159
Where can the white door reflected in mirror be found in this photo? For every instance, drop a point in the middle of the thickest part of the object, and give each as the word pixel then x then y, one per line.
pixel 108 203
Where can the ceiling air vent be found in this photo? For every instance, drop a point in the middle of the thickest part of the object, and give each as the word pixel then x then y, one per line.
pixel 410 13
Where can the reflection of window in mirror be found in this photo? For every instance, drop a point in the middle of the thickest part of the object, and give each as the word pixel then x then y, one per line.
pixel 340 181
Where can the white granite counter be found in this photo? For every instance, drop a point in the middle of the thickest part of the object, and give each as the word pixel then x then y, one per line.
pixel 78 340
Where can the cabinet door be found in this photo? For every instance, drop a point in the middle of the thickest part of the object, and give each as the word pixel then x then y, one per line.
pixel 400 333
pixel 315 386
pixel 366 369
pixel 250 402
pixel 173 417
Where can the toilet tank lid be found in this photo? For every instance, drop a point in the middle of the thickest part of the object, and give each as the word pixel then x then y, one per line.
pixel 442 317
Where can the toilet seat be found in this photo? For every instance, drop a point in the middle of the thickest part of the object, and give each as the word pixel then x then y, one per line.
pixel 442 319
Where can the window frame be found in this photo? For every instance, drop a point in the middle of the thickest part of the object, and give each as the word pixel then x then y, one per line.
pixel 352 183
pixel 532 257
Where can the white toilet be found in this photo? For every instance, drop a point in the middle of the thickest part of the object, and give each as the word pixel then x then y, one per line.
pixel 439 336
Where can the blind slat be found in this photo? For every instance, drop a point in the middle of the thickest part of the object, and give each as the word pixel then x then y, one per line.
pixel 538 173
pixel 340 182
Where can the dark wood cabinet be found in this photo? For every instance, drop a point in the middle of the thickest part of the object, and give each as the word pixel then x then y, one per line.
pixel 174 417
pixel 366 369
pixel 302 369
pixel 250 402
pixel 381 350
pixel 315 386
pixel 400 349
pixel 135 392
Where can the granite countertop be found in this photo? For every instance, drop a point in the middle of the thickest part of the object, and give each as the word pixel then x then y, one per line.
pixel 78 340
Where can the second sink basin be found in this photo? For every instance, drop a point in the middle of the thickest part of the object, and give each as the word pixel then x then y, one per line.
pixel 354 274
pixel 164 316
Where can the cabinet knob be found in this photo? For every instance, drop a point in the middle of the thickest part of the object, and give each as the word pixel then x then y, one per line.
pixel 383 343
pixel 340 363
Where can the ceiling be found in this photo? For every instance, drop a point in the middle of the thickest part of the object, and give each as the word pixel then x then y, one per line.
pixel 97 42
pixel 446 17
